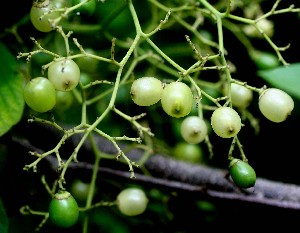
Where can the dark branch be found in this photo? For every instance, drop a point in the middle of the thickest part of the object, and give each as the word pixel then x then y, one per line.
pixel 170 174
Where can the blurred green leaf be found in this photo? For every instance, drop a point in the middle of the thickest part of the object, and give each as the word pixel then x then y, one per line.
pixel 286 78
pixel 3 219
pixel 11 98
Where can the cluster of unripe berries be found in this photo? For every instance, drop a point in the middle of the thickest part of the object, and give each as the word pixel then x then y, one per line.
pixel 43 13
pixel 177 101
pixel 64 209
pixel 40 93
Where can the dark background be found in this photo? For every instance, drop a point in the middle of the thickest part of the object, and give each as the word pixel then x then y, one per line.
pixel 274 153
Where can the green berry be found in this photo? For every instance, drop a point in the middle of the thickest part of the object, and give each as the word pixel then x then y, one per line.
pixel 241 96
pixel 242 173
pixel 146 91
pixel 193 129
pixel 188 152
pixel 63 210
pixel 39 94
pixel 177 99
pixel 65 74
pixel 275 104
pixel 226 122
pixel 132 201
pixel 39 16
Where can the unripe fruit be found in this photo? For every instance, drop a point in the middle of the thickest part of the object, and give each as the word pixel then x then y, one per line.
pixel 63 209
pixel 64 100
pixel 39 18
pixel 132 201
pixel 242 173
pixel 146 91
pixel 88 64
pixel 85 78
pixel 226 122
pixel 39 94
pixel 65 74
pixel 80 190
pixel 265 60
pixel 266 25
pixel 177 99
pixel 241 96
pixel 192 153
pixel 275 104
pixel 193 129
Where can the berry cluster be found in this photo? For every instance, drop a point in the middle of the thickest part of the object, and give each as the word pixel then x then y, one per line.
pixel 65 73
pixel 177 101
pixel 64 210
pixel 40 93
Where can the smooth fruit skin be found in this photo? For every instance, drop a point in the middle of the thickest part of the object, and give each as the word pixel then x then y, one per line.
pixel 63 209
pixel 241 96
pixel 275 104
pixel 88 64
pixel 80 190
pixel 38 9
pixel 265 60
pixel 242 173
pixel 192 153
pixel 146 91
pixel 132 201
pixel 177 99
pixel 266 25
pixel 64 100
pixel 226 122
pixel 40 94
pixel 193 129
pixel 65 74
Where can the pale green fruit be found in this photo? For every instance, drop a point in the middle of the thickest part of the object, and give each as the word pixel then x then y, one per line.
pixel 226 122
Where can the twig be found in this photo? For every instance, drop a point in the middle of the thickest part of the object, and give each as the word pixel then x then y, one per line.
pixel 172 175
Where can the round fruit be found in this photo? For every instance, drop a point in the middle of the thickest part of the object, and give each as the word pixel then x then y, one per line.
pixel 242 173
pixel 241 96
pixel 275 104
pixel 63 209
pixel 40 94
pixel 188 152
pixel 265 60
pixel 88 64
pixel 85 78
pixel 226 122
pixel 193 129
pixel 64 75
pixel 177 99
pixel 64 100
pixel 39 18
pixel 80 190
pixel 146 91
pixel 265 25
pixel 132 201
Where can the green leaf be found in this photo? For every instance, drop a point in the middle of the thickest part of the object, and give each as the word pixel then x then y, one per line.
pixel 3 219
pixel 286 78
pixel 11 89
